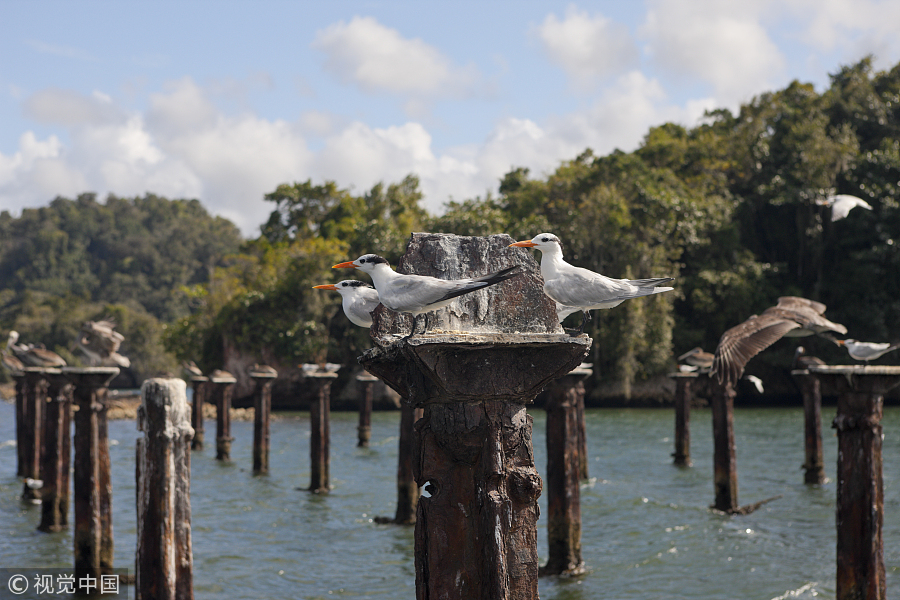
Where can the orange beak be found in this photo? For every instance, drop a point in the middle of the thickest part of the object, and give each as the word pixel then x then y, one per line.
pixel 840 342
pixel 525 244
pixel 328 286
pixel 345 265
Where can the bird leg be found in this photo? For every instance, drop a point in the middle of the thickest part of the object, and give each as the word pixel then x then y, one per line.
pixel 585 317
pixel 413 330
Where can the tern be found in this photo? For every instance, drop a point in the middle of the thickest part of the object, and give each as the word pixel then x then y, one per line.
pixel 581 289
pixel 358 299
pixel 867 350
pixel 419 294
pixel 33 356
pixel 697 358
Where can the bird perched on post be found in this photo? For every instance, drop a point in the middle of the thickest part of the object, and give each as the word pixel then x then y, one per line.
pixel 191 369
pixel 867 350
pixel 11 362
pixel 802 361
pixel 100 342
pixel 358 299
pixel 581 289
pixel 791 317
pixel 697 358
pixel 419 294
pixel 33 356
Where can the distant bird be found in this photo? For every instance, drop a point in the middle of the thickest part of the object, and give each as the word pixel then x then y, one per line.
pixel 358 299
pixel 697 358
pixel 220 374
pixel 11 362
pixel 867 350
pixel 191 369
pixel 100 342
pixel 756 381
pixel 842 204
pixel 687 368
pixel 803 361
pixel 581 289
pixel 34 356
pixel 263 370
pixel 791 317
pixel 420 294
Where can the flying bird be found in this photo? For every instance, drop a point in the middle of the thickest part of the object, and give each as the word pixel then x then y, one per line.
pixel 802 361
pixel 358 299
pixel 581 289
pixel 100 342
pixel 419 294
pixel 791 317
pixel 756 381
pixel 867 350
pixel 697 358
pixel 842 204
pixel 33 356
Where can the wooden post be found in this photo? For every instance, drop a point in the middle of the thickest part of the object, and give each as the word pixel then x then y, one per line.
pixel 683 397
pixel 724 463
pixel 583 473
pixel 562 478
pixel 36 385
pixel 319 416
pixel 407 488
pixel 19 378
pixel 56 454
pixel 262 405
pixel 814 465
pixel 367 387
pixel 164 561
pixel 860 486
pixel 222 388
pixel 92 487
pixel 200 386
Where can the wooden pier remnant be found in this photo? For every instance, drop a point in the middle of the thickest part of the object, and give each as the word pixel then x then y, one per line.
pixel 92 487
pixel 35 397
pixel 200 386
pixel 222 387
pixel 407 488
pixel 56 455
pixel 262 376
pixel 724 462
pixel 583 471
pixel 164 560
pixel 366 395
pixel 683 397
pixel 19 379
pixel 476 523
pixel 811 389
pixel 860 485
pixel 319 422
pixel 562 477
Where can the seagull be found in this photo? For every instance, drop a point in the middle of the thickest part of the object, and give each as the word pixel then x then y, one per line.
pixel 33 356
pixel 791 317
pixel 574 287
pixel 842 204
pixel 358 299
pixel 100 342
pixel 419 294
pixel 697 358
pixel 802 361
pixel 867 350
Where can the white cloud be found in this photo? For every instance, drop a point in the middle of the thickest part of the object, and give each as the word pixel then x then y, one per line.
pixel 587 48
pixel 69 108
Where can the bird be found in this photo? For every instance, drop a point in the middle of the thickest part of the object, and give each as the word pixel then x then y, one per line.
pixel 792 316
pixel 581 289
pixel 842 204
pixel 191 369
pixel 100 342
pixel 358 299
pixel 33 356
pixel 802 361
pixel 419 294
pixel 11 362
pixel 697 358
pixel 867 350
pixel 756 381
pixel 261 370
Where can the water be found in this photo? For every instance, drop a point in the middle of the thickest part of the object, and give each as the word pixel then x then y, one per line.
pixel 647 531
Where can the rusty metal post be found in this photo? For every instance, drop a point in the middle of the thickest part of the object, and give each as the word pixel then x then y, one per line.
pixel 262 407
pixel 19 379
pixel 683 397
pixel 319 440
pixel 562 477
pixel 814 465
pixel 200 385
pixel 724 463
pixel 92 486
pixel 36 385
pixel 164 560
pixel 860 484
pixel 367 390
pixel 56 453
pixel 222 389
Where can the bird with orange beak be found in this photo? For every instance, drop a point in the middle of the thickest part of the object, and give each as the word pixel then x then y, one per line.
pixel 358 299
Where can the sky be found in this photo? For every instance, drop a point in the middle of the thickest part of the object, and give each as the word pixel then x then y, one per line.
pixel 223 101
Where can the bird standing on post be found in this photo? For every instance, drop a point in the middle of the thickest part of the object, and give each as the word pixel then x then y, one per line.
pixel 697 358
pixel 358 299
pixel 867 350
pixel 581 289
pixel 100 342
pixel 33 356
pixel 419 294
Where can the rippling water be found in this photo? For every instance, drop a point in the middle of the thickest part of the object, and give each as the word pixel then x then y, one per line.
pixel 647 531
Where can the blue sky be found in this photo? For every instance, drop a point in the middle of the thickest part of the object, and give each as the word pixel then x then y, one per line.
pixel 223 101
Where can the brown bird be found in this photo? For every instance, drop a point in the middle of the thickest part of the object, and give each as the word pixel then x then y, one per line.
pixel 261 370
pixel 697 358
pixel 191 369
pixel 803 361
pixel 33 356
pixel 100 342
pixel 791 317
pixel 11 362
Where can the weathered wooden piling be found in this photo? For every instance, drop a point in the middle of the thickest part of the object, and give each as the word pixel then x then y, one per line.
pixel 811 389
pixel 92 489
pixel 35 398
pixel 200 385
pixel 366 394
pixel 56 453
pixel 583 472
pixel 164 560
pixel 407 489
pixel 860 486
pixel 319 440
pixel 262 408
pixel 562 477
pixel 19 379
pixel 222 387
pixel 476 523
pixel 683 397
pixel 724 463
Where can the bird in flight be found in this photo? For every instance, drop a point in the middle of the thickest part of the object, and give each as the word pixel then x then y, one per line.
pixel 358 299
pixel 867 350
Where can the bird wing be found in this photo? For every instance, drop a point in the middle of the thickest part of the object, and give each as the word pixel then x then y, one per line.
pixel 807 316
pixel 742 342
pixel 796 302
pixel 580 287
pixel 410 293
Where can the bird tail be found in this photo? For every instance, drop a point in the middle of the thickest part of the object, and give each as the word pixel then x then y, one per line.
pixel 651 282
pixel 487 280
